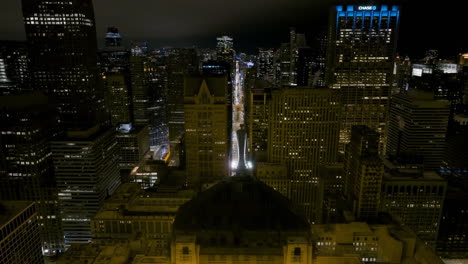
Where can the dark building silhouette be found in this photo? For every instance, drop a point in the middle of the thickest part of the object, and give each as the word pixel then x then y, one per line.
pixel 27 122
pixel 61 37
pixel 14 71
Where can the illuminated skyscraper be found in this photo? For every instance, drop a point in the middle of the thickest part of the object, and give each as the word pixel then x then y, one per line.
pixel 303 133
pixel 265 64
pixel 61 36
pixel 225 49
pixel 363 170
pixel 206 129
pixel 360 60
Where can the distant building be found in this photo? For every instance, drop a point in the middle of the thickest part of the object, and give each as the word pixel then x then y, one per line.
pixel 20 240
pixel 117 98
pixel 180 63
pixel 416 198
pixel 133 143
pixel 360 61
pixel 14 71
pixel 225 49
pixel 256 117
pixel 303 133
pixel 87 172
pixel 364 171
pixel 206 129
pixel 265 64
pixel 418 126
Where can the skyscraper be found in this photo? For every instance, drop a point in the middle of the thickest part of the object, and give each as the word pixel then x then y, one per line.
pixel 363 170
pixel 225 49
pixel 27 122
pixel 206 129
pixel 361 52
pixel 61 37
pixel 180 63
pixel 117 97
pixel 417 126
pixel 87 171
pixel 303 132
pixel 265 64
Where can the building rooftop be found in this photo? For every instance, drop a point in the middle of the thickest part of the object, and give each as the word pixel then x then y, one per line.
pixel 241 202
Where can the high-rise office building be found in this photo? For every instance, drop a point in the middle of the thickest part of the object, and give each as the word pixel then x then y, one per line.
pixel 416 198
pixel 139 65
pixel 117 97
pixel 265 64
pixel 360 58
pixel 417 126
pixel 14 72
pixel 304 65
pixel 363 170
pixel 225 49
pixel 286 59
pixel 206 129
pixel 87 172
pixel 64 62
pixel 27 122
pixel 180 63
pixel 20 241
pixel 303 133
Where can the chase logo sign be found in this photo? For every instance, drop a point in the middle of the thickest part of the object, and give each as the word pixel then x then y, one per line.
pixel 366 8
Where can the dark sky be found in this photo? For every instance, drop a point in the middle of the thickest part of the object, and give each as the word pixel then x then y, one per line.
pixel 254 23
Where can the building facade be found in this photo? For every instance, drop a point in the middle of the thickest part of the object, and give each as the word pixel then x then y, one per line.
pixel 206 129
pixel 364 171
pixel 418 126
pixel 20 241
pixel 303 133
pixel 360 58
pixel 87 171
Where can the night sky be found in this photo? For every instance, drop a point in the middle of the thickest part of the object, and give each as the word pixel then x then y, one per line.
pixel 255 23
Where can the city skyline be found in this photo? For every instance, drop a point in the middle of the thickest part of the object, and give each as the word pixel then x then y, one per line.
pixel 265 25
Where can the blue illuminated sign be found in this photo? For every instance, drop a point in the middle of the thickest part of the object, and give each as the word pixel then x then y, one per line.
pixel 367 8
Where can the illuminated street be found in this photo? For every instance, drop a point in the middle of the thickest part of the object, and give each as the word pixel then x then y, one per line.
pixel 237 112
